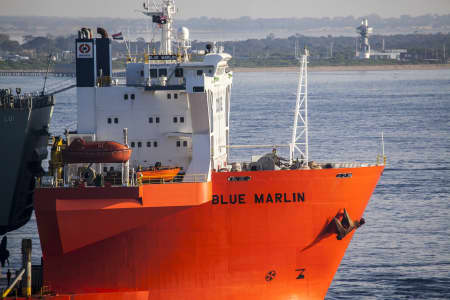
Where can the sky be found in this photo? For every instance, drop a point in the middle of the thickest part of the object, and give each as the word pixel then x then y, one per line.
pixel 228 8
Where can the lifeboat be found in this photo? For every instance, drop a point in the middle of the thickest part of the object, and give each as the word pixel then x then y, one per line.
pixel 81 151
pixel 158 174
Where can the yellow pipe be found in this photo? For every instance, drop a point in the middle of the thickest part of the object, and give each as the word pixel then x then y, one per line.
pixel 18 278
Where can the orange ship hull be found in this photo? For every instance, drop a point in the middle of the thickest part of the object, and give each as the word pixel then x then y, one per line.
pixel 256 235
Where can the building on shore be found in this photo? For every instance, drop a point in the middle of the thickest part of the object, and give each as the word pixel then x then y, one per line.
pixel 363 50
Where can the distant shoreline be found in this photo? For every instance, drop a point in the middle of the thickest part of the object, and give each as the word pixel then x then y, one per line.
pixel 344 68
pixel 295 68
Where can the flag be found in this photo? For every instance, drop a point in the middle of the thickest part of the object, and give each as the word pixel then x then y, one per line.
pixel 117 36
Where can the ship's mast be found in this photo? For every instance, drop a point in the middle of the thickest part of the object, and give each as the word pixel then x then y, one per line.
pixel 299 141
pixel 162 14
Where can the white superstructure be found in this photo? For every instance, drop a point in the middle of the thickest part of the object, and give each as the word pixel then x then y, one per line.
pixel 176 111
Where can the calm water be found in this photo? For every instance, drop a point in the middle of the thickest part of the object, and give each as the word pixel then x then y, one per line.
pixel 403 252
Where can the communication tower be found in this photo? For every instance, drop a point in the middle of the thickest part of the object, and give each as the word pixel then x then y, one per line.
pixel 364 30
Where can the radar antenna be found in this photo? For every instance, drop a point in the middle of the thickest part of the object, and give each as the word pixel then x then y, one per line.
pixel 299 141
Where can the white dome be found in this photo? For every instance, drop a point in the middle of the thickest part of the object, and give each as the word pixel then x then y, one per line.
pixel 183 34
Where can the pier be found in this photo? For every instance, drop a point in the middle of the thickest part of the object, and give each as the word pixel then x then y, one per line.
pixel 41 73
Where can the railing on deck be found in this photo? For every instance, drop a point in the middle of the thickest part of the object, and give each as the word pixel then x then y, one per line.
pixel 116 180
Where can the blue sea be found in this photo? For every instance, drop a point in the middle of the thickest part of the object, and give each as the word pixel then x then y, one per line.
pixel 403 250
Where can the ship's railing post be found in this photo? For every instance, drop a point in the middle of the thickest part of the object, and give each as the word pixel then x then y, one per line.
pixel 26 261
pixel 125 165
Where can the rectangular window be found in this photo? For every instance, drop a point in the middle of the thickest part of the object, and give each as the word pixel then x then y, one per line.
pixel 162 72
pixel 157 120
pixel 109 121
pixel 181 119
pixel 132 97
pixel 175 119
pixel 155 144
pixel 198 89
pixel 169 96
pixel 149 144
pixel 178 72
pixel 132 144
pixel 153 73
pixel 125 97
pixel 139 144
pixel 184 143
pixel 116 120
pixel 142 73
pixel 199 72
pixel 178 143
pixel 150 120
pixel 175 96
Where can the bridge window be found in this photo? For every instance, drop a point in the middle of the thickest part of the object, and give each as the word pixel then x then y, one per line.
pixel 153 73
pixel 198 89
pixel 178 72
pixel 162 72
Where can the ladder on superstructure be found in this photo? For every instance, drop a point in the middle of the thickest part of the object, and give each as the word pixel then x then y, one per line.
pixel 299 141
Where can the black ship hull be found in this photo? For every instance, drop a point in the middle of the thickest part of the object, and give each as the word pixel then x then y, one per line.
pixel 24 123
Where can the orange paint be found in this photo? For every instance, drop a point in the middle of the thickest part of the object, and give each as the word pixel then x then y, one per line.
pixel 257 235
pixel 158 174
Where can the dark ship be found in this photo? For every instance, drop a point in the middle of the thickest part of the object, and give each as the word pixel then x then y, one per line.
pixel 24 133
